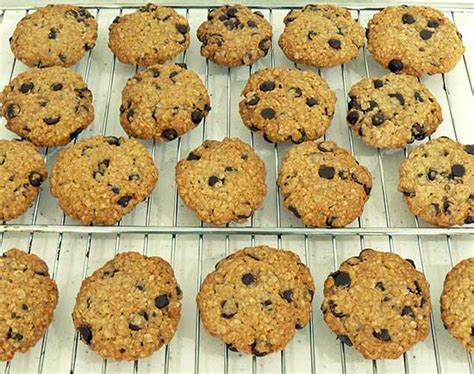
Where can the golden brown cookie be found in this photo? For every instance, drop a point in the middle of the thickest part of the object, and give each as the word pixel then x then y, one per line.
pixel 55 35
pixel 379 303
pixel 48 106
pixel 29 298
pixel 437 182
pixel 222 181
pixel 323 184
pixel 321 35
pixel 100 179
pixel 416 40
pixel 22 171
pixel 129 308
pixel 256 298
pixel 234 35
pixel 287 104
pixel 151 35
pixel 163 102
pixel 457 303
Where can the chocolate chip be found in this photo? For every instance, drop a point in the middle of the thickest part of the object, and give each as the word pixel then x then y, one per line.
pixel 196 116
pixel 267 113
pixel 230 347
pixel 231 11
pixel 334 311
pixel 223 17
pixel 425 34
pixel 345 339
pixel 407 311
pixel 124 200
pixel 380 286
pixel 352 117
pixel 248 279
pixel 412 263
pixel 36 179
pixel 115 190
pixel 418 131
pixel 182 65
pixel 113 140
pixel 311 35
pixel 287 295
pixel 294 211
pixel 51 120
pixel 458 170
pixel 133 327
pixel 399 97
pixel 469 220
pixel 134 177
pixel 61 57
pixel 26 87
pixel 354 104
pixel 229 309
pixel 341 279
pixel 251 24
pixel 408 19
pixel 182 29
pixel 418 97
pixel 169 134
pixel 326 172
pixel 52 34
pixel 25 307
pixel 267 86
pixel 433 24
pixel 140 286
pixel 255 352
pixel 334 43
pixel 383 335
pixel 266 303
pixel 213 180
pixel 298 326
pixel 469 149
pixel 432 175
pixel 311 101
pixel 265 44
pixel 193 157
pixel 86 334
pixel 57 86
pixel 395 66
pixel 378 119
pixel 162 301
pixel 367 189
pixel 253 101
pixel 12 111
pixel 378 83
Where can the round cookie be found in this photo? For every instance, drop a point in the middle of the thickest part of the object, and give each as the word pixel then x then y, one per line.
pixel 392 111
pixel 129 308
pixel 437 182
pixel 55 35
pixel 22 171
pixel 151 35
pixel 48 106
pixel 100 179
pixel 29 298
pixel 323 184
pixel 415 40
pixel 163 102
pixel 234 35
pixel 379 303
pixel 287 104
pixel 222 181
pixel 256 298
pixel 457 306
pixel 321 35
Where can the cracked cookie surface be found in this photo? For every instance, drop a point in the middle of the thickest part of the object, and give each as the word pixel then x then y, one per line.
pixel 100 179
pixel 151 35
pixel 128 308
pixel 29 298
pixel 323 184
pixel 55 35
pixel 163 102
pixel 287 104
pixel 379 303
pixel 48 106
pixel 256 298
pixel 22 172
pixel 222 181
pixel 415 40
pixel 392 111
pixel 457 303
pixel 321 36
pixel 437 182
pixel 234 35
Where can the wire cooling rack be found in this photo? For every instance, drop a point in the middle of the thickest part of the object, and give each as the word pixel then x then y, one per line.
pixel 164 226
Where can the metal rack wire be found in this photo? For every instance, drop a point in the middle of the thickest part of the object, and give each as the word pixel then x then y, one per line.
pixel 274 224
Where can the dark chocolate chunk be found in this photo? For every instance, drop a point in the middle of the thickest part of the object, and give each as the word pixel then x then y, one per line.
pixel 352 117
pixel 162 301
pixel 36 179
pixel 213 180
pixel 408 19
pixel 248 279
pixel 334 43
pixel 383 335
pixel 124 200
pixel 426 34
pixel 26 87
pixel 267 113
pixel 341 279
pixel 287 295
pixel 378 83
pixel 395 66
pixel 86 334
pixel 193 157
pixel 169 134
pixel 326 172
pixel 345 339
pixel 267 86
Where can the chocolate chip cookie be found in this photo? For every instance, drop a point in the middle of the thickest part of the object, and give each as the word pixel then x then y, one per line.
pixel 323 184
pixel 222 181
pixel 321 35
pixel 416 40
pixel 48 106
pixel 287 104
pixel 163 102
pixel 437 182
pixel 392 111
pixel 56 35
pixel 256 298
pixel 457 303
pixel 100 179
pixel 22 171
pixel 29 298
pixel 129 308
pixel 151 35
pixel 379 303
pixel 234 35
